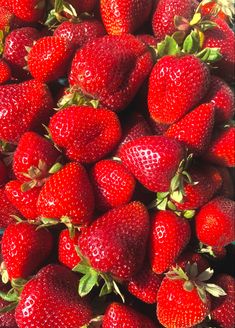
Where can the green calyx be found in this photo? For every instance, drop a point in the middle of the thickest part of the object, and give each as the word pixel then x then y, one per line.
pixel 76 97
pixel 50 222
pixel 58 14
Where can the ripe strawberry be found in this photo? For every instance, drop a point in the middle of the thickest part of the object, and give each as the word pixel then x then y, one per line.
pixel 222 309
pixel 49 58
pixel 168 237
pixel 227 188
pixel 153 160
pixel 15 49
pixel 145 284
pixel 7 320
pixel 5 72
pixel 6 18
pixel 169 105
pixel 191 257
pixel 83 6
pixel 124 64
pixel 3 173
pixel 67 193
pixel 120 315
pixel 113 185
pixel 148 39
pixel 50 299
pixel 222 97
pixel 87 134
pixel 194 130
pixel 163 17
pixel 25 248
pixel 216 8
pixel 28 10
pixel 215 222
pixel 67 254
pixel 24 201
pixel 6 210
pixel 222 149
pixel 120 17
pixel 23 106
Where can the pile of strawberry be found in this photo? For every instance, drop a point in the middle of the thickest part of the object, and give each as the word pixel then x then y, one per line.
pixel 116 158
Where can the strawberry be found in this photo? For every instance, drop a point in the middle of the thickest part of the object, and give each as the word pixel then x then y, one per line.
pixel 163 17
pixel 23 106
pixel 124 64
pixel 215 222
pixel 6 210
pixel 191 257
pixel 120 315
pixel 6 18
pixel 15 51
pixel 87 134
pixel 28 11
pixel 222 309
pixel 83 6
pixel 153 160
pixel 49 58
pixel 168 237
pixel 217 8
pixel 67 193
pixel 113 184
pixel 67 254
pixel 55 287
pixel 5 72
pixel 24 201
pixel 148 39
pixel 3 173
pixel 24 249
pixel 222 149
pixel 194 130
pixel 7 320
pixel 227 188
pixel 169 105
pixel 120 17
pixel 222 97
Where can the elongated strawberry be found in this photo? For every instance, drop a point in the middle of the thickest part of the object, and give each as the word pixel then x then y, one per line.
pixel 7 210
pixel 168 105
pixel 5 72
pixel 24 249
pixel 215 222
pixel 67 193
pixel 67 254
pixel 23 106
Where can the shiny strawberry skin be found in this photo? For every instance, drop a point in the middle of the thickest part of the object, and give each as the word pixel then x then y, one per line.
pixel 124 64
pixel 215 222
pixel 194 130
pixel 120 17
pixel 67 193
pixel 86 133
pixel 24 249
pixel 49 58
pixel 153 160
pixel 5 72
pixel 113 185
pixel 28 10
pixel 67 254
pixel 168 237
pixel 6 210
pixel 119 239
pixel 168 105
pixel 56 287
pixel 23 106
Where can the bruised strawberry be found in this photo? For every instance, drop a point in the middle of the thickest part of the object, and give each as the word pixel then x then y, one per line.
pixel 7 210
pixel 5 72
pixel 67 254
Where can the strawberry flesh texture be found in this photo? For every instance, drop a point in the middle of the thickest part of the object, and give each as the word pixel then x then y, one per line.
pixel 29 11
pixel 5 72
pixel 67 254
pixel 6 210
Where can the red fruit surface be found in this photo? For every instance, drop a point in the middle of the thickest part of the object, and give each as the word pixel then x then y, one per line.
pixel 6 18
pixel 67 254
pixel 5 72
pixel 28 10
pixel 191 257
pixel 84 6
pixel 6 210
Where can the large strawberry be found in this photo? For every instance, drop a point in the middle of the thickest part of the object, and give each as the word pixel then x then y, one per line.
pixel 67 253
pixel 111 69
pixel 168 104
pixel 121 17
pixel 50 299
pixel 23 106
pixel 87 134
pixel 7 210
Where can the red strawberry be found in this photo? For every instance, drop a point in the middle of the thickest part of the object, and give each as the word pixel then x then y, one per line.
pixel 222 309
pixel 24 201
pixel 5 72
pixel 145 284
pixel 227 188
pixel 216 8
pixel 215 222
pixel 49 58
pixel 50 299
pixel 124 64
pixel 120 315
pixel 28 10
pixel 15 49
pixel 222 149
pixel 169 236
pixel 121 17
pixel 6 18
pixel 25 248
pixel 153 160
pixel 113 184
pixel 67 193
pixel 168 105
pixel 23 106
pixel 3 173
pixel 148 39
pixel 7 320
pixel 67 254
pixel 83 6
pixel 6 210
pixel 191 257
pixel 87 134
pixel 222 97
pixel 194 130
pixel 166 10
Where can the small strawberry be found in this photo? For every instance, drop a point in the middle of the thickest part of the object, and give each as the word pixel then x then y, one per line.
pixel 3 173
pixel 168 237
pixel 87 134
pixel 67 254
pixel 215 222
pixel 113 185
pixel 7 210
pixel 24 249
pixel 5 72
pixel 168 105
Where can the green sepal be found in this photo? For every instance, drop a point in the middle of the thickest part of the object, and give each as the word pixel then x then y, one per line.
pixel 88 282
pixel 179 37
pixel 55 168
pixel 9 297
pixel 162 195
pixel 191 44
pixel 161 205
pixel 209 55
pixel 207 25
pixel 181 23
pixel 177 196
pixel 168 47
pixel 189 214
pixel 196 19
pixel 9 307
